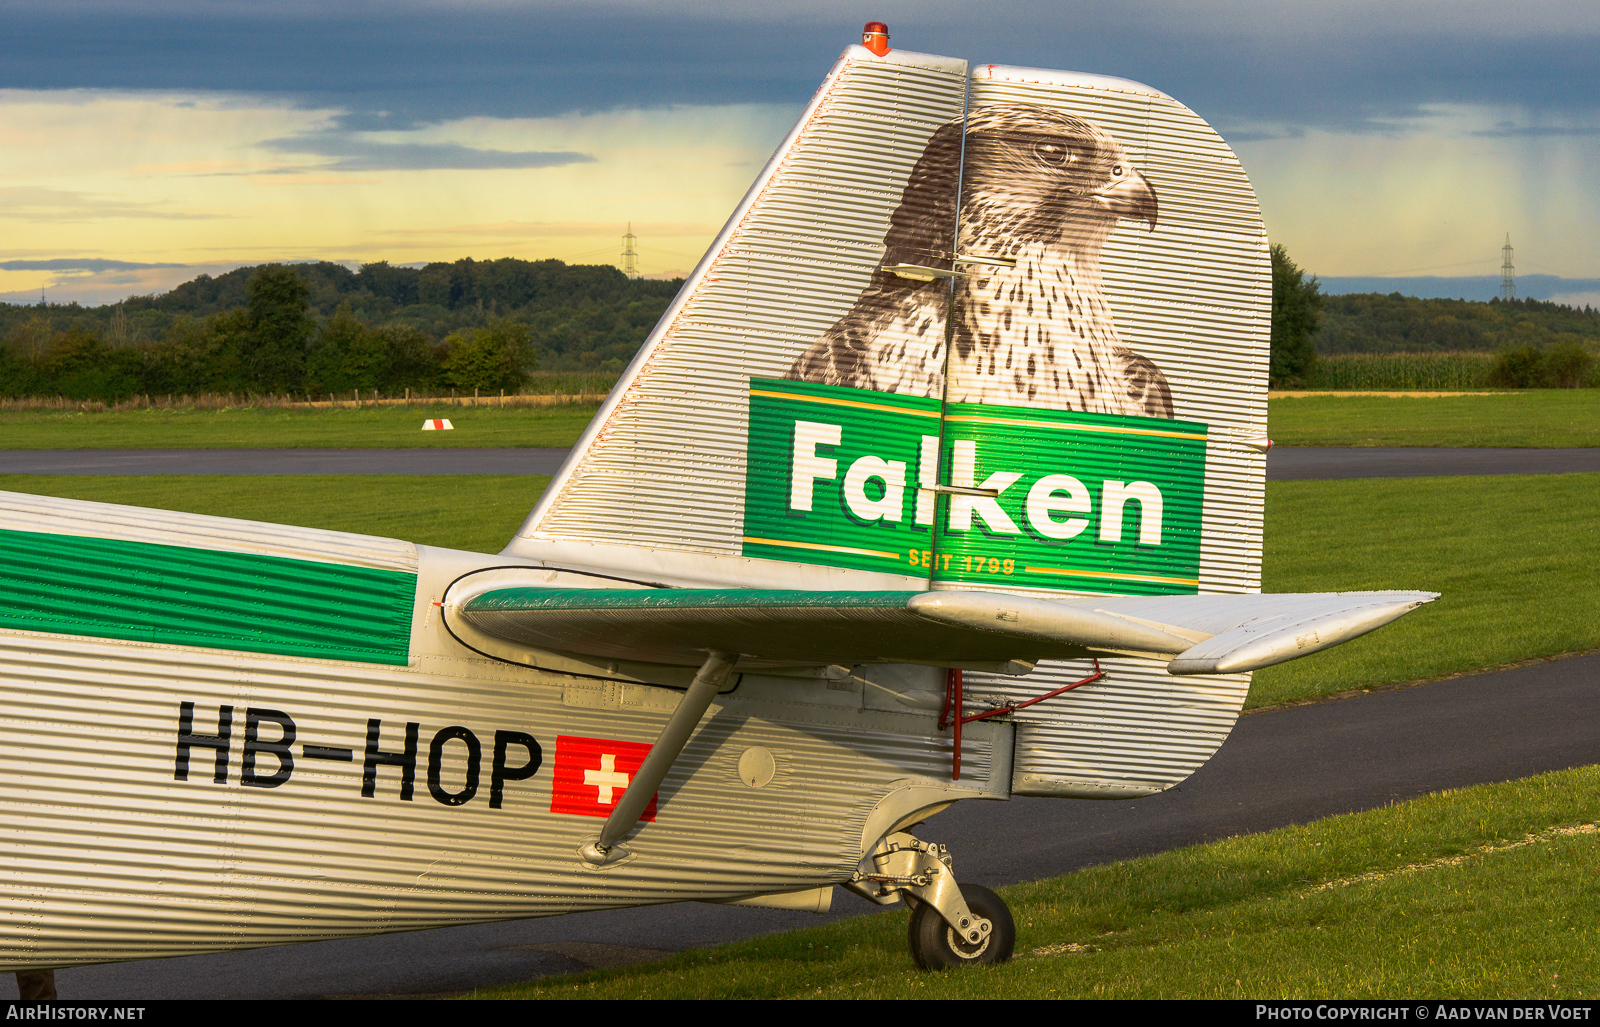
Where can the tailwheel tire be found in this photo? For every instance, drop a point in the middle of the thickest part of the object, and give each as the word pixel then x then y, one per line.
pixel 936 946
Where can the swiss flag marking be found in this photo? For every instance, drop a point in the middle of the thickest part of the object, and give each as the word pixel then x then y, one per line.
pixel 592 773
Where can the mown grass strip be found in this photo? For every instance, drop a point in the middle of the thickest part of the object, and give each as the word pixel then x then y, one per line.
pixel 1484 892
pixel 476 512
pixel 371 427
pixel 1512 556
pixel 1542 418
pixel 1537 418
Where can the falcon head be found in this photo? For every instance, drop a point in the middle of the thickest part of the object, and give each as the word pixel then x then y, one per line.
pixel 1037 175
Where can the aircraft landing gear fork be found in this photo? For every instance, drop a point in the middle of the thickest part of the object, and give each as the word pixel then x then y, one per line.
pixel 951 924
pixel 935 945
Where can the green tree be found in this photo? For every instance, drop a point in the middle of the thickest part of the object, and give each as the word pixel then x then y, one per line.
pixel 1567 364
pixel 1296 317
pixel 278 325
pixel 17 376
pixel 497 357
pixel 1562 366
pixel 395 283
pixel 345 355
pixel 413 358
pixel 79 365
pixel 197 356
pixel 21 355
pixel 28 339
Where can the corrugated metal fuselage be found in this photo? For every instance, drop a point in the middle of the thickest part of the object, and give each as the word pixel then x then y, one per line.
pixel 111 856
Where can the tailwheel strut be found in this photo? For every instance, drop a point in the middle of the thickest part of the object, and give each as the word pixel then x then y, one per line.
pixel 951 924
pixel 936 944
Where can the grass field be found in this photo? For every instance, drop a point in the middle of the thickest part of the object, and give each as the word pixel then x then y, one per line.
pixel 369 427
pixel 1484 892
pixel 1549 418
pixel 1538 418
pixel 1513 556
pixel 477 512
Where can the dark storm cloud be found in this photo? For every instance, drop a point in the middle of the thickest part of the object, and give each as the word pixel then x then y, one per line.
pixel 396 65
pixel 77 264
pixel 356 154
pixel 1535 131
pixel 415 67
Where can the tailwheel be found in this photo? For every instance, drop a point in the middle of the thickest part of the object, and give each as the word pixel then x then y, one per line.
pixel 936 945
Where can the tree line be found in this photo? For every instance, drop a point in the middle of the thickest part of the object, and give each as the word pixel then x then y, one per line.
pixel 320 328
pixel 272 344
pixel 1392 323
pixel 1533 343
pixel 315 329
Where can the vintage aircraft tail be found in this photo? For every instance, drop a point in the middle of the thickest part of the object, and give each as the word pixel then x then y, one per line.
pixel 1112 303
pixel 972 328
pixel 988 328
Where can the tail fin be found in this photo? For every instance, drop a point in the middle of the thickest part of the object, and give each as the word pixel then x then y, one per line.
pixel 657 483
pixel 1090 419
pixel 1004 331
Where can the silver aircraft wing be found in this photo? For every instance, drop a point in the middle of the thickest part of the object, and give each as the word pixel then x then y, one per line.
pixel 1197 634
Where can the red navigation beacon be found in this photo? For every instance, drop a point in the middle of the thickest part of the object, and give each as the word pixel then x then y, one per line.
pixel 875 37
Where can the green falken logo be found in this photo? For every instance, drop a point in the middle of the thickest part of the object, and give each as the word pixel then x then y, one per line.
pixel 1052 499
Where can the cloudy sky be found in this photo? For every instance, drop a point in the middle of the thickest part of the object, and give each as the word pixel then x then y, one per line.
pixel 143 142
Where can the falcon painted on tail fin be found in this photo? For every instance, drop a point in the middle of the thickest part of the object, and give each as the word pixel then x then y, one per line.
pixel 1041 193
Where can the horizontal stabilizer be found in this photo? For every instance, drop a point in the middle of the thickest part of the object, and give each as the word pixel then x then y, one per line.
pixel 1279 637
pixel 771 626
pixel 777 627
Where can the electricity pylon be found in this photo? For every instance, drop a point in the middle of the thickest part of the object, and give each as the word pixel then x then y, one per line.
pixel 630 253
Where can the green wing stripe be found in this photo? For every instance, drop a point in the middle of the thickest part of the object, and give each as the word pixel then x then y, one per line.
pixel 173 595
pixel 509 600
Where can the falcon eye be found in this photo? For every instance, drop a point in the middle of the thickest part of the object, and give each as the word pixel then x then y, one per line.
pixel 1052 154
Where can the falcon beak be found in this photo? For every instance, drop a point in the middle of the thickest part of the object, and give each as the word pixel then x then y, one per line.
pixel 1129 196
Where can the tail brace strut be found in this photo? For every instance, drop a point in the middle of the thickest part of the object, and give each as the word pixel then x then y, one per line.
pixel 674 735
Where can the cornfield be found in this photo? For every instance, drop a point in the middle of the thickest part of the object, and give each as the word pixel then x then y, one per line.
pixel 1428 372
pixel 1420 371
